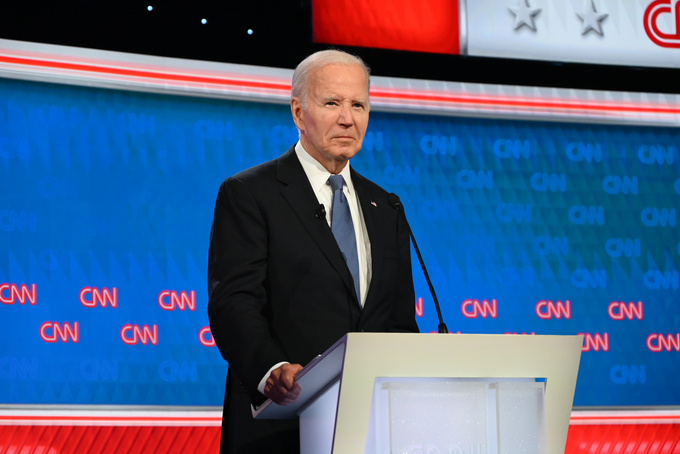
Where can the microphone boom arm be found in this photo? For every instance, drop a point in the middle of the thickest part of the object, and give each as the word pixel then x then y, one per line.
pixel 394 202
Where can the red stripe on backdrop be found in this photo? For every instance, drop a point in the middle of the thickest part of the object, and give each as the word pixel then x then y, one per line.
pixel 57 419
pixel 624 418
pixel 524 102
pixel 587 439
pixel 134 72
pixel 624 438
pixel 414 25
pixel 109 440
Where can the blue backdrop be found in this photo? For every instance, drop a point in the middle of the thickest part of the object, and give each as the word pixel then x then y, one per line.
pixel 106 202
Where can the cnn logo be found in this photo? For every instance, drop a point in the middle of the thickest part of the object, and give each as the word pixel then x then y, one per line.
pixel 92 296
pixel 54 331
pixel 618 310
pixel 168 300
pixel 546 309
pixel 11 293
pixel 134 334
pixel 659 342
pixel 475 308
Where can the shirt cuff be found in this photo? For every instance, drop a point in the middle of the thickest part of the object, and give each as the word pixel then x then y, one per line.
pixel 263 382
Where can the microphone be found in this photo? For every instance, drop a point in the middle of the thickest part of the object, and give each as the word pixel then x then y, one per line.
pixel 320 211
pixel 394 202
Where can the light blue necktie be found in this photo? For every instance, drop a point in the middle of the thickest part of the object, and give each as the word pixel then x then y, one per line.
pixel 343 229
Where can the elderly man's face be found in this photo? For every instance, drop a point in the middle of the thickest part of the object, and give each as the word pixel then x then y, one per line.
pixel 333 124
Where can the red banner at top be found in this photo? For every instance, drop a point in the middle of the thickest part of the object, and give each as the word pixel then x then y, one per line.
pixel 412 25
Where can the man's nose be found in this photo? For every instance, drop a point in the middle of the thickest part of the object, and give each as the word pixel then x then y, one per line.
pixel 346 119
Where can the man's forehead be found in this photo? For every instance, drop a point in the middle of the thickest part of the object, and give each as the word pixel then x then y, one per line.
pixel 327 90
pixel 333 74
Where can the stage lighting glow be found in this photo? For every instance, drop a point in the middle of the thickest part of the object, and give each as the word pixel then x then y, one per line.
pixel 204 21
pixel 150 8
pixel 250 31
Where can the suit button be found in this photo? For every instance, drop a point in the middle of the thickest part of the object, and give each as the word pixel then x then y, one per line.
pixel 363 330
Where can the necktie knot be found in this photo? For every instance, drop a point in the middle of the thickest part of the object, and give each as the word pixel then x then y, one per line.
pixel 336 182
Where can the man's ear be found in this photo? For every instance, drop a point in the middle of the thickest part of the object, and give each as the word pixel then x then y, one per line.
pixel 296 110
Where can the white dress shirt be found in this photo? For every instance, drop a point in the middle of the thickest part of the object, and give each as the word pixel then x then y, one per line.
pixel 318 178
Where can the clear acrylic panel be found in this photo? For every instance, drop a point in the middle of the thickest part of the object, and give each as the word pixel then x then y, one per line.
pixel 437 417
pixel 521 418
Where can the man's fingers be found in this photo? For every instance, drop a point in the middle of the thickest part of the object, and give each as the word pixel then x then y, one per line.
pixel 288 373
pixel 281 387
pixel 287 379
pixel 275 374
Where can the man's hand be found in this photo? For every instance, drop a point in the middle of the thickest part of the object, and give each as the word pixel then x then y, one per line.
pixel 281 387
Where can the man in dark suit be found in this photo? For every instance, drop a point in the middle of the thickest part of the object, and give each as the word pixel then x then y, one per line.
pixel 302 251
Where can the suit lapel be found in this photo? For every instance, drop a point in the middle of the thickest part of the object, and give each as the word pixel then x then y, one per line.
pixel 300 196
pixel 373 226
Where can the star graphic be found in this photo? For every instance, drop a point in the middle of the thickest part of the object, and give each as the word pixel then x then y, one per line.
pixel 591 20
pixel 524 14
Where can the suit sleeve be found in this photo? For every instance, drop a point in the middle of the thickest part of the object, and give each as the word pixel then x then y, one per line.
pixel 237 273
pixel 403 317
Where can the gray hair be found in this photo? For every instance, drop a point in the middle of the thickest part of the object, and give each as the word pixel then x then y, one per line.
pixel 317 61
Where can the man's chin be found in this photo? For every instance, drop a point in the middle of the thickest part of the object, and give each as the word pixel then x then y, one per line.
pixel 345 152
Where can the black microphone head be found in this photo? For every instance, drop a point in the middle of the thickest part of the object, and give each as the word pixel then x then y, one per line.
pixel 394 202
pixel 320 212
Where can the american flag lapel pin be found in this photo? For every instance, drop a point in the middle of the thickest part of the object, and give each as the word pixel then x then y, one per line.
pixel 374 204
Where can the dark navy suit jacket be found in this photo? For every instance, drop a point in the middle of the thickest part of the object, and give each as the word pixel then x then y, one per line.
pixel 281 291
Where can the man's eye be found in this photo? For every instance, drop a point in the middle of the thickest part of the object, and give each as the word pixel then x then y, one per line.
pixel 358 105
pixel 331 103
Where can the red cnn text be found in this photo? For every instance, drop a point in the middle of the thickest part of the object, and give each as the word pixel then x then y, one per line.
pixel 659 342
pixel 617 310
pixel 595 342
pixel 546 309
pixel 133 334
pixel 11 293
pixel 54 331
pixel 419 307
pixel 208 341
pixel 91 296
pixel 483 308
pixel 169 300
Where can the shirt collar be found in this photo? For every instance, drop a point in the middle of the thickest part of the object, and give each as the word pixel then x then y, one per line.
pixel 317 173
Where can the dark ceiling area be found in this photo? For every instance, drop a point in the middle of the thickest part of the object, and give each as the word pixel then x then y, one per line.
pixel 281 37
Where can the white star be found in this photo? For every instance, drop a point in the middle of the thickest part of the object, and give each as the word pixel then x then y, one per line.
pixel 524 14
pixel 591 20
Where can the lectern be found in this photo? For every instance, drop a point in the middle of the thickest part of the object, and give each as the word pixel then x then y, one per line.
pixel 385 393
